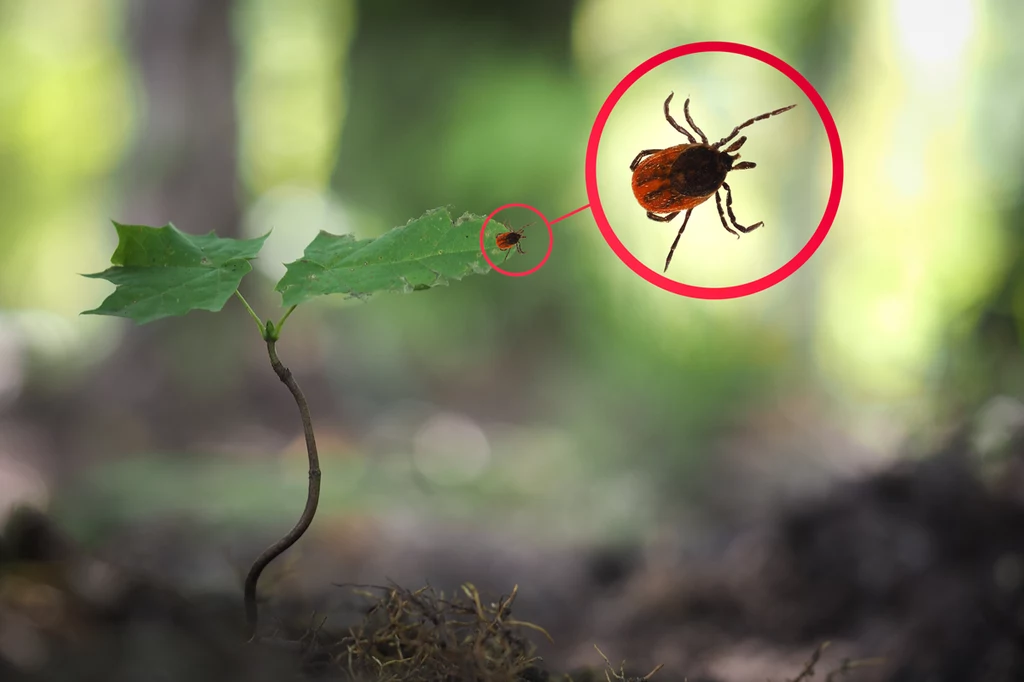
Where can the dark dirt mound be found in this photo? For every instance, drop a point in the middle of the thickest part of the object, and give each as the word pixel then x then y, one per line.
pixel 922 563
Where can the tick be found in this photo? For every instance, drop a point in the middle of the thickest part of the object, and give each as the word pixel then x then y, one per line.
pixel 507 241
pixel 680 178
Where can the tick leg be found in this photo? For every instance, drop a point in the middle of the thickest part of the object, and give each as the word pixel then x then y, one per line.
pixel 646 152
pixel 686 111
pixel 662 218
pixel 743 125
pixel 732 216
pixel 507 254
pixel 519 248
pixel 686 219
pixel 672 121
pixel 721 214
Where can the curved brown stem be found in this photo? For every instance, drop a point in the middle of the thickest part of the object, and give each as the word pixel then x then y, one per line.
pixel 312 497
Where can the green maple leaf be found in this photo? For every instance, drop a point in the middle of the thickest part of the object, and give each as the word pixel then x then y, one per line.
pixel 428 251
pixel 161 272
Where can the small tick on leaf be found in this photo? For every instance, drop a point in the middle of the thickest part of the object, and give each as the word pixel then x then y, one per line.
pixel 507 241
pixel 683 177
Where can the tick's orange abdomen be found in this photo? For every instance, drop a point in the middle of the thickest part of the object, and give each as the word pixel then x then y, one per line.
pixel 652 185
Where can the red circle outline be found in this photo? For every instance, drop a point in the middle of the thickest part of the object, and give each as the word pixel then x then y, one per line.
pixel 535 268
pixel 738 290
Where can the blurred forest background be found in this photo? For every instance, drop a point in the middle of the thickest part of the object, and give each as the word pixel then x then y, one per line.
pixel 577 406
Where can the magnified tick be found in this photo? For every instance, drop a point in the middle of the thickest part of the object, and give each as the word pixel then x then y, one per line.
pixel 669 181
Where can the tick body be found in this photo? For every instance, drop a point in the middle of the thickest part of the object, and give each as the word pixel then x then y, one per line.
pixel 667 182
pixel 507 241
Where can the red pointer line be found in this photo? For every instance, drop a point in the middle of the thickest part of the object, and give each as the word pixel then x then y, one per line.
pixel 569 214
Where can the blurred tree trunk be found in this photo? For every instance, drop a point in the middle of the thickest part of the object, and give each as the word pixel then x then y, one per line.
pixel 184 170
pixel 184 166
pixel 171 381
pixel 406 58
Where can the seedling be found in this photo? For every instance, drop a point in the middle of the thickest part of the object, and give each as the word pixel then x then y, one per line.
pixel 161 272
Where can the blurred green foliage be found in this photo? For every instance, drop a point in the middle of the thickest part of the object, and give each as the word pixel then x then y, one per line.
pixel 356 115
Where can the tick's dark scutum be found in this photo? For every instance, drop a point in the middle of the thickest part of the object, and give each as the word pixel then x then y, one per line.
pixel 699 171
